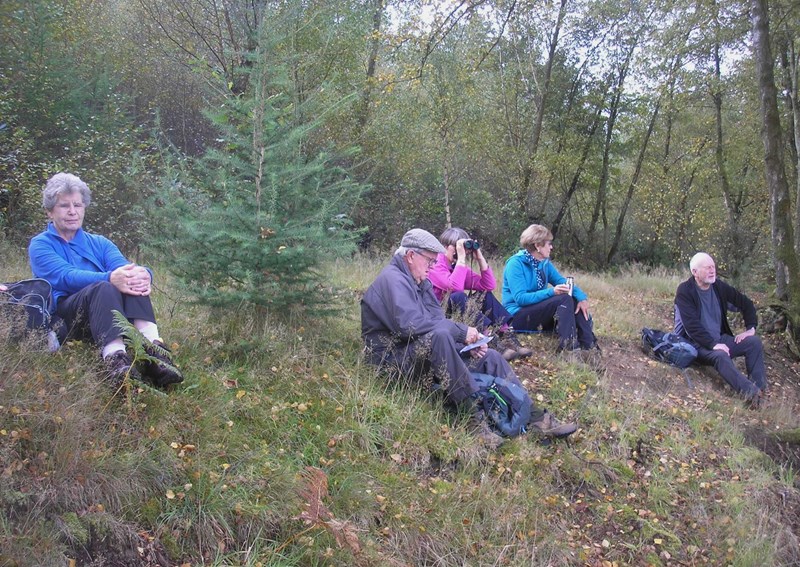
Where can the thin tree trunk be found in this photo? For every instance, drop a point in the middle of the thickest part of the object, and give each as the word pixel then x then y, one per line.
pixel 790 62
pixel 719 154
pixel 372 61
pixel 785 260
pixel 573 186
pixel 530 170
pixel 602 187
pixel 632 186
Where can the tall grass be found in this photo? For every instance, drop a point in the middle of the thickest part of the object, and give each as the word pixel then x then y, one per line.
pixel 216 472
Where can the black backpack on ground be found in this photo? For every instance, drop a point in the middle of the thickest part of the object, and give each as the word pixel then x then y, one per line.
pixel 507 405
pixel 26 306
pixel 668 347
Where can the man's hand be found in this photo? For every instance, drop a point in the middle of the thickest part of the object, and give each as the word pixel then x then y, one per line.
pixel 583 307
pixel 723 347
pixel 3 288
pixel 479 352
pixel 472 335
pixel 131 279
pixel 742 336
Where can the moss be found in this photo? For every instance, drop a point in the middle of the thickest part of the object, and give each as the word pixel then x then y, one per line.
pixel 74 529
pixel 789 436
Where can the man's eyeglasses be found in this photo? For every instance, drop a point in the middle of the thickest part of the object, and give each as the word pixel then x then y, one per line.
pixel 431 261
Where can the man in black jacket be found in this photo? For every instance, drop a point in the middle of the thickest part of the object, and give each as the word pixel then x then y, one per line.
pixel 701 315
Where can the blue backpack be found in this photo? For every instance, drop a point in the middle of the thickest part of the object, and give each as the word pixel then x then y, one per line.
pixel 507 405
pixel 668 347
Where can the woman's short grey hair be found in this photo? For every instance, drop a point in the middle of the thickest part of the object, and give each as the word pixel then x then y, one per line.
pixel 534 235
pixel 64 184
pixel 452 235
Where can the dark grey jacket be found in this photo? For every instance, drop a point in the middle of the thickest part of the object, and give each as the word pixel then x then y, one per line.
pixel 395 311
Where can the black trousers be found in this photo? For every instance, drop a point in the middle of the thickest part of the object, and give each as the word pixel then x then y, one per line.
pixel 557 312
pixel 88 312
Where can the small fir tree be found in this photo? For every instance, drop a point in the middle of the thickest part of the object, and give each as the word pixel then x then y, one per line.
pixel 256 216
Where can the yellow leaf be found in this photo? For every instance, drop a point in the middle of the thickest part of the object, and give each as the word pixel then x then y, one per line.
pixel 240 394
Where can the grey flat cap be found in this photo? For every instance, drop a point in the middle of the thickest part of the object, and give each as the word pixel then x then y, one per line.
pixel 422 240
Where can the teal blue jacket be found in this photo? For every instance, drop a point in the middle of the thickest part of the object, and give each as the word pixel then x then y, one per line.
pixel 520 286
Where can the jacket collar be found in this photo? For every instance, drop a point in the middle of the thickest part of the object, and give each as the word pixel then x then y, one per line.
pixel 399 262
pixel 80 237
pixel 527 259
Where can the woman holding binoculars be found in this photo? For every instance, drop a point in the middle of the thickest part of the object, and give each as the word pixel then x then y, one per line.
pixel 451 275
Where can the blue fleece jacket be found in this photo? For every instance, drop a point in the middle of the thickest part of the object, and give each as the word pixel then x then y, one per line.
pixel 71 266
pixel 520 286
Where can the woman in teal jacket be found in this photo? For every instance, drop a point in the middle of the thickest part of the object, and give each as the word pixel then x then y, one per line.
pixel 538 297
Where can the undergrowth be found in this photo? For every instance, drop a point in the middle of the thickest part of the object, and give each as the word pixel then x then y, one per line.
pixel 282 447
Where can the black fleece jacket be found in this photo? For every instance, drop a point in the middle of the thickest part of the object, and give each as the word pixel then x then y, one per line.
pixel 687 299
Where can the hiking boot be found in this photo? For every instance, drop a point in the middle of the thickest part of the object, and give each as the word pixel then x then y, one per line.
pixel 480 428
pixel 162 371
pixel 549 426
pixel 568 346
pixel 591 356
pixel 118 366
pixel 508 353
pixel 509 341
pixel 756 401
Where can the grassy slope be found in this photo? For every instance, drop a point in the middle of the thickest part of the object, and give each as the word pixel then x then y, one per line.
pixel 217 471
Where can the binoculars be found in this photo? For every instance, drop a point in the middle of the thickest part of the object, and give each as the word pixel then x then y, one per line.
pixel 471 244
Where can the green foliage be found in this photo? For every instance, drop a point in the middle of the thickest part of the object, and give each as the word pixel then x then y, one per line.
pixel 253 220
pixel 62 110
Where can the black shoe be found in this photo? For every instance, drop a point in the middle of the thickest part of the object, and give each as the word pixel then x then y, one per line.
pixel 162 371
pixel 120 366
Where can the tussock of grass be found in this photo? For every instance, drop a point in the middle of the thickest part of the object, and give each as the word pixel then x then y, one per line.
pixel 217 471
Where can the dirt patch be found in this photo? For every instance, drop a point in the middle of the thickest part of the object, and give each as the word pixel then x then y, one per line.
pixel 626 372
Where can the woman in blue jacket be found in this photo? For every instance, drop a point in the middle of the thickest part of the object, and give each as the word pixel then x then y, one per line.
pixel 91 278
pixel 538 297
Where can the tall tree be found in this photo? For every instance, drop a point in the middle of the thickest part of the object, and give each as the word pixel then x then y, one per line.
pixel 787 267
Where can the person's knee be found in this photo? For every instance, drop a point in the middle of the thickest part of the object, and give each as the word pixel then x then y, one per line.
pixel 563 300
pixel 719 358
pixel 441 337
pixel 103 289
pixel 458 300
pixel 754 343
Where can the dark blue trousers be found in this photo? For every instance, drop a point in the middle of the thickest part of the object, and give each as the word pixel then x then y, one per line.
pixel 557 312
pixel 753 352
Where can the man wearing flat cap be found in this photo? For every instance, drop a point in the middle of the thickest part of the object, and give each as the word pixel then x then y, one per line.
pixel 406 332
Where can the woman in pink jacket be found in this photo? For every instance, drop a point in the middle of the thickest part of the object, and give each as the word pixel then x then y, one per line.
pixel 452 278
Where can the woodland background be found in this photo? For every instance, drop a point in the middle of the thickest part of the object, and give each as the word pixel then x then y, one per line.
pixel 631 128
pixel 245 145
